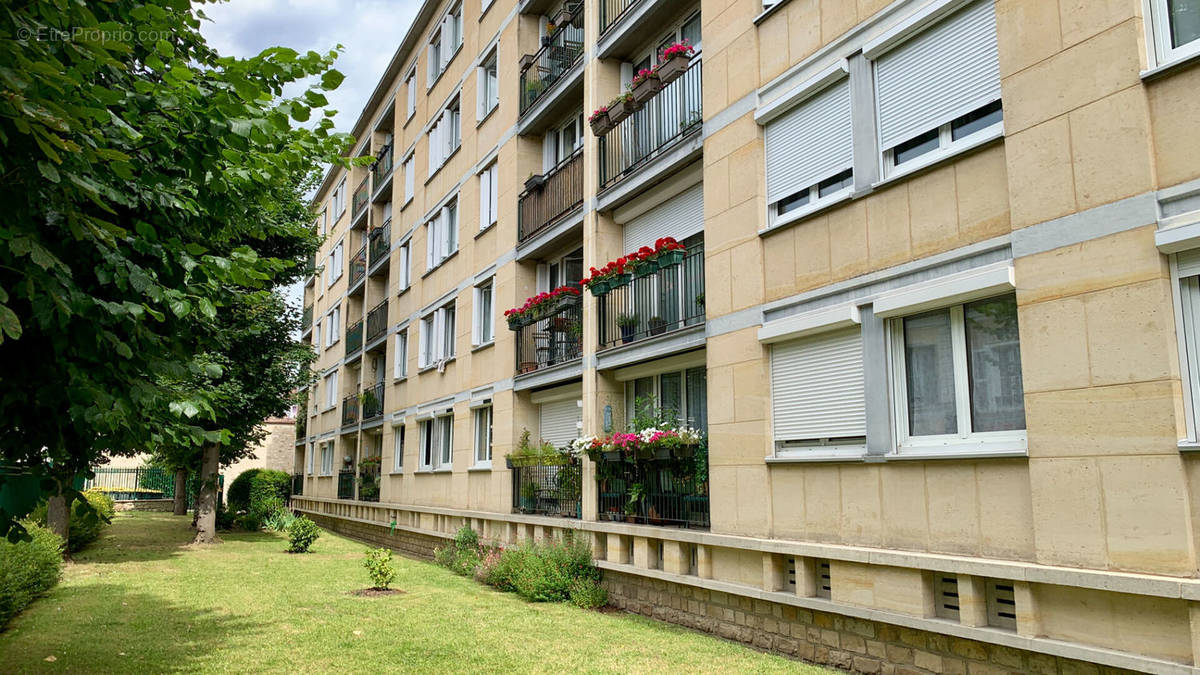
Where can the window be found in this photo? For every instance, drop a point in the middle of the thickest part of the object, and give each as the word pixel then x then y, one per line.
pixel 562 141
pixel 404 275
pixel 483 436
pixel 444 42
pixel 400 368
pixel 445 136
pixel 327 458
pixel 939 90
pixel 333 326
pixel 316 336
pixel 409 178
pixel 398 448
pixel 437 336
pixel 323 221
pixel 818 395
pixel 339 200
pixel 437 438
pixel 957 375
pixel 312 459
pixel 434 65
pixel 487 87
pixel 410 102
pixel 331 390
pixel 682 395
pixel 441 235
pixel 1176 26
pixel 810 154
pixel 333 267
pixel 1188 265
pixel 489 196
pixel 484 331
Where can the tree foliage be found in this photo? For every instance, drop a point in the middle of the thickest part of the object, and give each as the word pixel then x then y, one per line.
pixel 155 198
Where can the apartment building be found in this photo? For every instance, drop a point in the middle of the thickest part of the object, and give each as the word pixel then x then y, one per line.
pixel 936 312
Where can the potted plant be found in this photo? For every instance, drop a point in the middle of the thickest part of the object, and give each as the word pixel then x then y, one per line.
pixel 674 61
pixel 645 262
pixel 535 181
pixel 529 491
pixel 627 323
pixel 621 107
pixel 600 121
pixel 658 325
pixel 534 89
pixel 669 252
pixel 700 300
pixel 645 85
pixel 637 493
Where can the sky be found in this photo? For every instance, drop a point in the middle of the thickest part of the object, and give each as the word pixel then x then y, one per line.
pixel 369 30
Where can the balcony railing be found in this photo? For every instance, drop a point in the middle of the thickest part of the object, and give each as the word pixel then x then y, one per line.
pixel 345 484
pixel 362 195
pixel 546 489
pixel 554 340
pixel 354 337
pixel 368 480
pixel 561 192
pixel 377 321
pixel 559 53
pixel 381 242
pixel 358 266
pixel 302 422
pixel 673 113
pixel 382 168
pixel 350 410
pixel 297 484
pixel 306 318
pixel 662 301
pixel 612 10
pixel 372 402
pixel 667 493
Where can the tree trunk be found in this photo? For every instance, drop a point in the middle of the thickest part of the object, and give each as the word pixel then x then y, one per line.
pixel 181 476
pixel 206 504
pixel 56 517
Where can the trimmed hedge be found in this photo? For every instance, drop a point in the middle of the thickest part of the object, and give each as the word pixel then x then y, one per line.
pixel 27 569
pixel 83 526
pixel 251 490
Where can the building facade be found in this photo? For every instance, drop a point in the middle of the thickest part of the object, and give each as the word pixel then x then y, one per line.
pixel 935 310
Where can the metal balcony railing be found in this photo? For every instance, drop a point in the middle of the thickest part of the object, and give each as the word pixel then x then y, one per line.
pixel 382 168
pixel 672 494
pixel 548 489
pixel 553 340
pixel 350 410
pixel 673 114
pixel 345 484
pixel 377 321
pixel 612 10
pixel 368 480
pixel 561 192
pixel 306 318
pixel 358 266
pixel 362 195
pixel 381 243
pixel 662 301
pixel 297 484
pixel 354 337
pixel 559 53
pixel 372 402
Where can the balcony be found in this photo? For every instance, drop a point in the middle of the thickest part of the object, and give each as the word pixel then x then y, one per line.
pixel 302 423
pixel 345 484
pixel 611 11
pixel 358 268
pixel 362 195
pixel 368 479
pixel 381 170
pixel 354 337
pixel 671 493
pixel 350 410
pixel 662 301
pixel 560 193
pixel 372 402
pixel 559 53
pixel 380 245
pixel 310 269
pixel 555 339
pixel 306 319
pixel 547 489
pixel 672 115
pixel 377 322
pixel 297 484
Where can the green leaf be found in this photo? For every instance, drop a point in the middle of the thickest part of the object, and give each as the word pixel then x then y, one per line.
pixel 10 325
pixel 331 79
pixel 48 171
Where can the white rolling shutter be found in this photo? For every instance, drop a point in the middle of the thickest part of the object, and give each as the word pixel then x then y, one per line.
pixel 1189 263
pixel 559 422
pixel 942 73
pixel 809 143
pixel 817 388
pixel 680 217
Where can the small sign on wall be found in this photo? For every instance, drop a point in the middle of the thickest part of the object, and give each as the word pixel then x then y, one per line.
pixel 608 419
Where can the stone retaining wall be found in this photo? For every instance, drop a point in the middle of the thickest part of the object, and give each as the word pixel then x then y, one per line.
pixel 144 505
pixel 409 544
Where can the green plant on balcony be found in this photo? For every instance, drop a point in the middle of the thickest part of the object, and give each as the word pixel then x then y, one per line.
pixel 529 492
pixel 542 453
pixel 627 323
pixel 534 89
pixel 637 493
pixel 658 325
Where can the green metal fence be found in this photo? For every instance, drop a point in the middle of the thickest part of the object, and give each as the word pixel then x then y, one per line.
pixel 143 483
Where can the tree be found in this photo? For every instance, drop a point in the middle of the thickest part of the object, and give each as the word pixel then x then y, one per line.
pixel 149 184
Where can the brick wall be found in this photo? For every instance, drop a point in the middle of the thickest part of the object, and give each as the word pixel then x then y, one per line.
pixel 403 542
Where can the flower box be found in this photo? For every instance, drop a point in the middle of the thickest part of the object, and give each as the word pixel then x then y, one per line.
pixel 684 451
pixel 526 61
pixel 612 456
pixel 601 123
pixel 645 86
pixel 670 258
pixel 619 280
pixel 645 268
pixel 535 182
pixel 670 69
pixel 619 110
pixel 562 18
pixel 599 287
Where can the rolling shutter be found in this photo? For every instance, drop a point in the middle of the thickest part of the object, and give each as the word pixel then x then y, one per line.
pixel 817 388
pixel 943 73
pixel 559 422
pixel 680 217
pixel 809 143
pixel 1189 263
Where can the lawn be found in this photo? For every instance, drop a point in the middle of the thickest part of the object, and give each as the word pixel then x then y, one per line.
pixel 140 600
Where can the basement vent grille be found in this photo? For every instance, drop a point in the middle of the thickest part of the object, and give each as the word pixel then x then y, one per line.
pixel 791 573
pixel 947 596
pixel 824 584
pixel 1001 604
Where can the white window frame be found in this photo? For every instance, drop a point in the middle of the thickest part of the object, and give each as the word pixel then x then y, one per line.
pixel 437 339
pixel 400 366
pixel 339 200
pixel 327 458
pixel 441 235
pixel 489 196
pixel 398 441
pixel 966 440
pixel 483 330
pixel 316 338
pixel 437 432
pixel 410 96
pixel 404 273
pixel 410 178
pixel 331 390
pixel 947 147
pixel 337 260
pixel 310 465
pixel 482 442
pixel 333 326
pixel 656 378
pixel 487 84
pixel 1160 36
pixel 1186 296
pixel 445 136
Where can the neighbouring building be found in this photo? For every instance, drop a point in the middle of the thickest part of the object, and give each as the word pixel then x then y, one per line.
pixel 936 311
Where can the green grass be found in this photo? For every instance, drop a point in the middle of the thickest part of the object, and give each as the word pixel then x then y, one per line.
pixel 140 600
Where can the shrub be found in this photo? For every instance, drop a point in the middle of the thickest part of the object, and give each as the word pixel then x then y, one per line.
pixel 238 495
pixel 27 569
pixel 587 594
pixel 84 524
pixel 463 555
pixel 250 522
pixel 380 568
pixel 545 572
pixel 278 520
pixel 269 488
pixel 302 533
pixel 225 517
